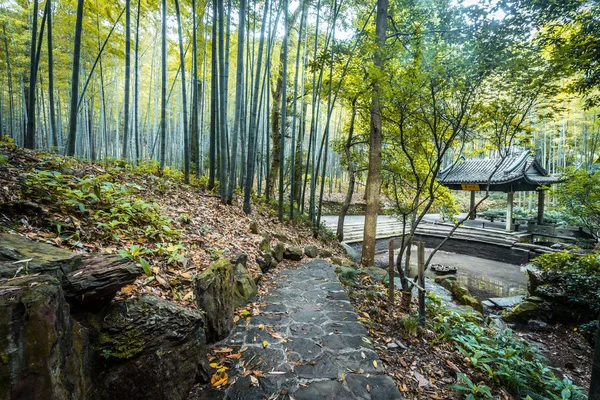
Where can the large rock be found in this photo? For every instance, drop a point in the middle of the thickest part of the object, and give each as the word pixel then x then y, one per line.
pixel 265 244
pixel 215 295
pixel 96 283
pixel 524 312
pixel 293 253
pixel 266 263
pixel 461 293
pixel 278 251
pixel 42 258
pixel 378 274
pixel 245 287
pixel 150 349
pixel 43 351
pixel 311 251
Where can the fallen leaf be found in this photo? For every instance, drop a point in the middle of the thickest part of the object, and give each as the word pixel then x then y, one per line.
pixel 254 380
pixel 375 363
pixel 265 344
pixel 127 290
pixel 368 388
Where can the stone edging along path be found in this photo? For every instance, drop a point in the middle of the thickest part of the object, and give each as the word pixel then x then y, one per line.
pixel 317 348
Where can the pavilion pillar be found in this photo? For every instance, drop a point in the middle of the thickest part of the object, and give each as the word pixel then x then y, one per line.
pixel 509 211
pixel 541 200
pixel 472 209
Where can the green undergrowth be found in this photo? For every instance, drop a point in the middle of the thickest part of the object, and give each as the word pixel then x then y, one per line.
pixel 117 210
pixel 503 358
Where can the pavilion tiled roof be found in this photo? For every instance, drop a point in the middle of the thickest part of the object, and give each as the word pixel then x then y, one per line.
pixel 513 168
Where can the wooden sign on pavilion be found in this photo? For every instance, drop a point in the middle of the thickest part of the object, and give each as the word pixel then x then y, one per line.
pixel 513 173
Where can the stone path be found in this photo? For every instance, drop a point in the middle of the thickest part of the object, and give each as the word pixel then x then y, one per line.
pixel 323 352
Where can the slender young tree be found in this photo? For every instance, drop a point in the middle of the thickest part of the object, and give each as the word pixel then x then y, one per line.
pixel 195 145
pixel 163 93
pixel 136 85
pixel 186 141
pixel 222 103
pixel 239 102
pixel 30 133
pixel 51 76
pixel 375 141
pixel 254 118
pixel 75 80
pixel 127 77
pixel 283 108
pixel 212 150
pixel 294 113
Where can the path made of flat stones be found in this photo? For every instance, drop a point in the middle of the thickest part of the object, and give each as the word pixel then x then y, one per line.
pixel 320 349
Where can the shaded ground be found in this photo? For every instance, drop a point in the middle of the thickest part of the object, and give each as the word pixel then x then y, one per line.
pixel 304 341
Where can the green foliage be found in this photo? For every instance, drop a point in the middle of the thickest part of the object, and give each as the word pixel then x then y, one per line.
pixel 411 326
pixel 580 198
pixel 567 261
pixel 505 359
pixel 572 278
pixel 117 210
pixel 471 390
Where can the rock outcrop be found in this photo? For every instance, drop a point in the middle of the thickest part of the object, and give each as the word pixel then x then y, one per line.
pixel 150 348
pixel 245 286
pixel 215 295
pixel 461 293
pixel 311 251
pixel 96 283
pixel 62 338
pixel 20 257
pixel 44 353
pixel 293 253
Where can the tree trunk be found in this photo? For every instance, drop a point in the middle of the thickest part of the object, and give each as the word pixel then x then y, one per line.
pixel 195 145
pixel 10 86
pixel 351 175
pixel 253 118
pixel 186 140
pixel 213 103
pixel 239 102
pixel 127 77
pixel 374 172
pixel 75 81
pixel 163 93
pixel 51 77
pixel 30 133
pixel 222 104
pixel 136 88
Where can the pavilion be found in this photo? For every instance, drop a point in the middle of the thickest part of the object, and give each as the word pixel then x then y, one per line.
pixel 520 172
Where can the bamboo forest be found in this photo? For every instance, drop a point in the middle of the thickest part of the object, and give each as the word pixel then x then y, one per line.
pixel 299 199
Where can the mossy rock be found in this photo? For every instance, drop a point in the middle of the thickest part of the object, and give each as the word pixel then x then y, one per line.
pixel 325 253
pixel 471 301
pixel 278 251
pixel 293 253
pixel 215 295
pixel 45 259
pixel 378 274
pixel 311 251
pixel 265 244
pixel 523 312
pixel 150 347
pixel 347 275
pixel 245 287
pixel 254 227
pixel 44 352
pixel 440 280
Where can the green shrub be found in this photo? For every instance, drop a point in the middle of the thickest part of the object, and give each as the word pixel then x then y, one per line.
pixel 116 209
pixel 505 359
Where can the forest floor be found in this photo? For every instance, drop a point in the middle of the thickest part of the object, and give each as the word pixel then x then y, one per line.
pixel 180 230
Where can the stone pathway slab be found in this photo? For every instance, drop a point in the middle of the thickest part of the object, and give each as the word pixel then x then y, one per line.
pixel 320 350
